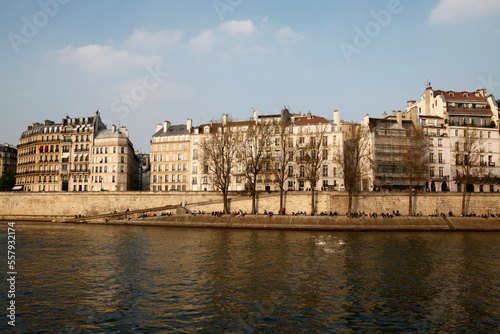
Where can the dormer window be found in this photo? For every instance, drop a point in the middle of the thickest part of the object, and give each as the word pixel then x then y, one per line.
pixel 466 95
pixel 452 94
pixel 477 94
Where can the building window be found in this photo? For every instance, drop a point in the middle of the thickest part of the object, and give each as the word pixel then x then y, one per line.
pixel 325 170
pixel 290 171
pixel 325 154
pixel 302 171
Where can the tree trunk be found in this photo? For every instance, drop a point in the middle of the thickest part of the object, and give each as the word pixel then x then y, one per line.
pixel 349 210
pixel 282 193
pixel 313 211
pixel 463 197
pixel 410 203
pixel 224 199
pixel 254 195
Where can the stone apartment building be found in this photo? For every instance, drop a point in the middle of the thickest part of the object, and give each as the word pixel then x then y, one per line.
pixel 58 156
pixel 114 164
pixel 445 115
pixel 8 158
pixel 169 158
pixel 177 152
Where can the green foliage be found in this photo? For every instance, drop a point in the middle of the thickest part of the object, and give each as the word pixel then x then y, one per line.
pixel 7 180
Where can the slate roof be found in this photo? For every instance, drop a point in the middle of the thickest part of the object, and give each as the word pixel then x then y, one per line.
pixel 173 130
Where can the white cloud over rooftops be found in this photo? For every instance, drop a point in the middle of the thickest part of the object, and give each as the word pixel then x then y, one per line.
pixel 96 57
pixel 457 11
pixel 235 28
pixel 160 39
pixel 204 42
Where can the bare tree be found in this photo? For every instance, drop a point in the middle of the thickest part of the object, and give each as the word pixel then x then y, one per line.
pixel 220 149
pixel 311 160
pixel 283 135
pixel 354 156
pixel 469 167
pixel 415 161
pixel 254 154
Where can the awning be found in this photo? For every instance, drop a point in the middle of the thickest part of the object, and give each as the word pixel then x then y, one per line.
pixel 46 148
pixel 17 188
pixel 41 148
pixel 65 155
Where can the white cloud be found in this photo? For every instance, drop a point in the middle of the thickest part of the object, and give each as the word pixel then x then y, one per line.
pixel 235 28
pixel 204 42
pixel 104 58
pixel 287 35
pixel 160 39
pixel 459 10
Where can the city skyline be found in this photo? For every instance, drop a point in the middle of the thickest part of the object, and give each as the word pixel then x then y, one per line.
pixel 147 63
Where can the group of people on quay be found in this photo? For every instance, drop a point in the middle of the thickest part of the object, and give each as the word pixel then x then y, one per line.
pixel 359 214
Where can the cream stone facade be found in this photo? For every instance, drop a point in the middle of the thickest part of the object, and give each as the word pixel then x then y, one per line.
pixel 302 131
pixel 58 156
pixel 114 165
pixel 445 115
pixel 170 159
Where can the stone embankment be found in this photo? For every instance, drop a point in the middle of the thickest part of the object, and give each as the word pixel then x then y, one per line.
pixel 127 207
pixel 323 223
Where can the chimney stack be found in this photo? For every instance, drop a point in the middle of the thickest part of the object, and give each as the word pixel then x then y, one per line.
pixel 399 117
pixel 158 127
pixel 113 129
pixel 336 118
pixel 124 130
pixel 189 124
pixel 224 119
pixel 255 115
pixel 166 125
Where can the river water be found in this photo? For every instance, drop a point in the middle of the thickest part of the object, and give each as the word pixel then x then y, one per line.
pixel 110 279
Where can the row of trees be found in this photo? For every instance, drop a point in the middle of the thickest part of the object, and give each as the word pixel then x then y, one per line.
pixel 229 150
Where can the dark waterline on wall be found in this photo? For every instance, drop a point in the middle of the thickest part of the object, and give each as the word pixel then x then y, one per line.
pixel 81 278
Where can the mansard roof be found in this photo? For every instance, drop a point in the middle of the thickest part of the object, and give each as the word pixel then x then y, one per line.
pixel 179 129
pixel 465 96
pixel 310 120
pixel 110 134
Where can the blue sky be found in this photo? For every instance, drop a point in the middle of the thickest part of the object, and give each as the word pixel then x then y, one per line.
pixel 143 62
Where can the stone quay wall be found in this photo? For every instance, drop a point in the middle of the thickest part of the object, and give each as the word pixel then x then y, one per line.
pixel 19 204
